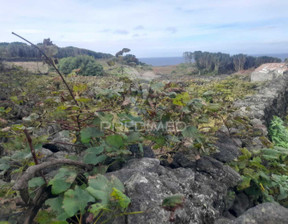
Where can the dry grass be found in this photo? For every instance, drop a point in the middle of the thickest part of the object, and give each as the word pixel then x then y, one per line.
pixel 32 66
pixel 164 70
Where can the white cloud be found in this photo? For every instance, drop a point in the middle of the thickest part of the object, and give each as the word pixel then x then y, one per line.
pixel 150 27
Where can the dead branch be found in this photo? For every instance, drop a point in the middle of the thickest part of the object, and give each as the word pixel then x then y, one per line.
pixel 29 139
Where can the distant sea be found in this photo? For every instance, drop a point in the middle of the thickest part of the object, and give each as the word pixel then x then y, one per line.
pixel 165 61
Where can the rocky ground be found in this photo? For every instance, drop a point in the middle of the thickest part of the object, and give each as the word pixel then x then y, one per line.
pixel 206 183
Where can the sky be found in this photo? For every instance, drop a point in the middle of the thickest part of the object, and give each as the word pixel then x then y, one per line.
pixel 151 28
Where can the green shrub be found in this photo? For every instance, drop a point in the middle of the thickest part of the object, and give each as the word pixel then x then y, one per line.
pixel 278 132
pixel 86 65
pixel 264 172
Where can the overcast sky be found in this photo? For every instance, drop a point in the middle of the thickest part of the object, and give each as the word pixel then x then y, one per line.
pixel 151 28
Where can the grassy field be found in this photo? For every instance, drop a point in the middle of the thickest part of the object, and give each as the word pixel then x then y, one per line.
pixel 32 66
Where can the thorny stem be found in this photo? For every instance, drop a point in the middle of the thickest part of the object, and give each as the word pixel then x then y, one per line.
pixel 31 146
pixel 29 139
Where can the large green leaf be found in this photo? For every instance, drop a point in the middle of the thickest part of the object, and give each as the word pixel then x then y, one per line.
pixel 56 205
pixel 76 200
pixel 36 182
pixel 116 183
pixel 100 188
pixel 91 155
pixel 95 160
pixel 115 140
pixel 90 132
pixel 62 180
pixel 4 164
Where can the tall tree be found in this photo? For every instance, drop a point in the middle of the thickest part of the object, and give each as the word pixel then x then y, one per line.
pixel 188 57
pixel 239 61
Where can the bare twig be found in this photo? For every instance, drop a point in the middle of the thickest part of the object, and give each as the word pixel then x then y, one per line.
pixel 29 139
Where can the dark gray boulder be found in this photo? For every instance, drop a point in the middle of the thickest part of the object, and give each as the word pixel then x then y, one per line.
pixel 228 149
pixel 266 213
pixel 241 204
pixel 147 183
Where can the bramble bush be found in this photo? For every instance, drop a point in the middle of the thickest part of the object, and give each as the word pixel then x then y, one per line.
pixel 264 171
pixel 87 65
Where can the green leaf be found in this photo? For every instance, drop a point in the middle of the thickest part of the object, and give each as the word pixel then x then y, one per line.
pixel 115 140
pixel 36 182
pixel 173 201
pixel 56 205
pixel 100 188
pixel 256 162
pixel 246 154
pixel 62 180
pixel 245 183
pixel 181 99
pixel 90 132
pixel 76 200
pixel 116 183
pixel 45 217
pixel 95 160
pixel 190 132
pixel 91 155
pixel 4 164
pixel 121 198
pixel 134 137
pixel 100 182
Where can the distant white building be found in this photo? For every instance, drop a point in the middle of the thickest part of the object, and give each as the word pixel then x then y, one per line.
pixel 268 71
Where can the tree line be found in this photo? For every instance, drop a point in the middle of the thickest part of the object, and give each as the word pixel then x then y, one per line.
pixel 220 63
pixel 19 51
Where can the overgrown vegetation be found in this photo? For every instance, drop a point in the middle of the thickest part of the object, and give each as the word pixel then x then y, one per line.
pixel 133 112
pixel 101 118
pixel 82 65
pixel 264 171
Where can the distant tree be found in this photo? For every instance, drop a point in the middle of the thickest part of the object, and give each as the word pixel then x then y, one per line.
pixel 265 59
pixel 239 61
pixel 250 62
pixel 22 51
pixel 130 59
pixel 85 65
pixel 120 53
pixel 220 63
pixel 286 60
pixel 49 48
pixel 188 57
